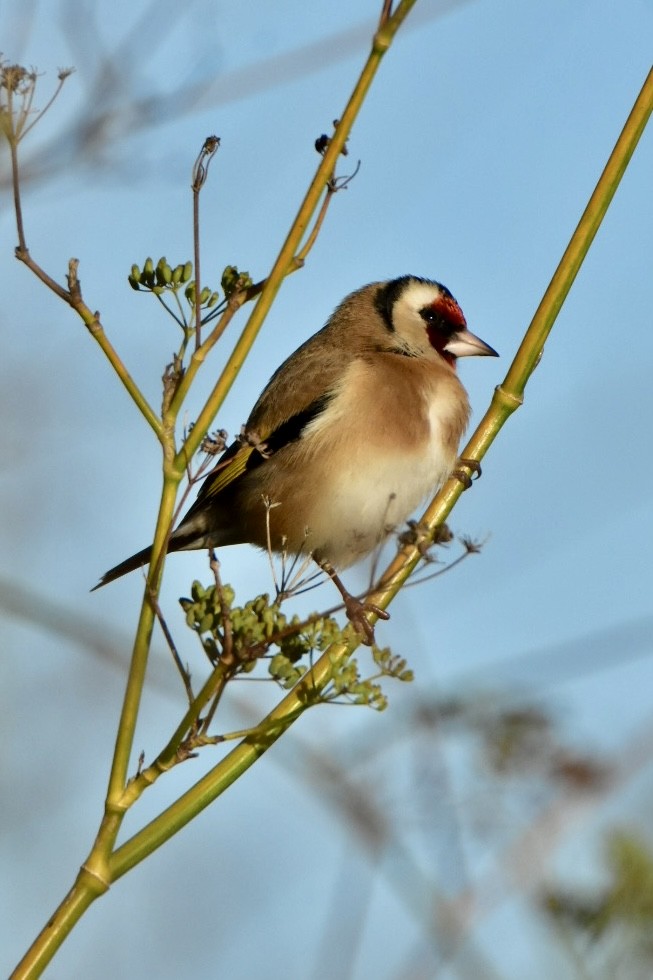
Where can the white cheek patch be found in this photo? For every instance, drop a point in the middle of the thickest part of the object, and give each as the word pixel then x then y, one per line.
pixel 413 299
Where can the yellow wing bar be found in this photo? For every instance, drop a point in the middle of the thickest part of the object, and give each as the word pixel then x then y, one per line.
pixel 229 468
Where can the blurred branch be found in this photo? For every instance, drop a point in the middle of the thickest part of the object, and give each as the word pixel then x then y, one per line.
pixel 524 864
pixel 54 619
pixel 558 663
pixel 110 117
pixel 381 825
pixel 17 88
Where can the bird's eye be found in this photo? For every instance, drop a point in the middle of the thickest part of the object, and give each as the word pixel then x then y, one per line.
pixel 434 319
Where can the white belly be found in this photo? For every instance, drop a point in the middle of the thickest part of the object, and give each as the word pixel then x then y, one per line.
pixel 370 485
pixel 360 508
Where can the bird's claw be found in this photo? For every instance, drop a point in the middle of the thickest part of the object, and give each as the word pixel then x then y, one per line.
pixel 356 614
pixel 465 479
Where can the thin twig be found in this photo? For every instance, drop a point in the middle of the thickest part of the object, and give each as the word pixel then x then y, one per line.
pixel 386 13
pixel 200 354
pixel 475 550
pixel 376 556
pixel 246 295
pixel 191 481
pixel 268 534
pixel 170 312
pixel 227 656
pixel 200 173
pixel 183 671
pixel 63 75
pixel 73 297
pixel 22 247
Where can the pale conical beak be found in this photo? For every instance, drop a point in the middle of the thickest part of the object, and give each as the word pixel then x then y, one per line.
pixel 464 344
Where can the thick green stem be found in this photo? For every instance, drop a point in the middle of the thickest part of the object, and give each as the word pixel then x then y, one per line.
pixel 83 893
pixel 532 345
pixel 215 782
pixel 138 665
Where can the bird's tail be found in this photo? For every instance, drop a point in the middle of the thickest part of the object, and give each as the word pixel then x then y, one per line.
pixel 128 565
pixel 190 534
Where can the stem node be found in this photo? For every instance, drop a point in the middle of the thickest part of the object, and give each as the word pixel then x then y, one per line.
pixel 507 399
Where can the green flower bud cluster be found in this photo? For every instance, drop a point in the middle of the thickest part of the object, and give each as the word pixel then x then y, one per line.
pixel 392 665
pixel 253 629
pixel 156 279
pixel 347 685
pixel 314 637
pixel 259 625
pixel 163 277
pixel 233 280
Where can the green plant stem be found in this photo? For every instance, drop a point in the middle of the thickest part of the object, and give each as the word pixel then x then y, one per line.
pixel 73 297
pixel 531 346
pixel 212 687
pixel 95 875
pixel 283 264
pixel 92 322
pixel 200 354
pixel 97 331
pixel 215 782
pixel 77 901
pixel 140 652
pixel 506 399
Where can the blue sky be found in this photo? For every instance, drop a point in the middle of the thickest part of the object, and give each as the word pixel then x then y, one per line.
pixel 481 141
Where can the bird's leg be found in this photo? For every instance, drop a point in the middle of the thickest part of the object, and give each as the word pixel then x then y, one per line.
pixel 471 464
pixel 354 608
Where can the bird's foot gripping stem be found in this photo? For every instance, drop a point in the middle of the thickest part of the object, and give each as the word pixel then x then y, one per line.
pixel 465 478
pixel 355 609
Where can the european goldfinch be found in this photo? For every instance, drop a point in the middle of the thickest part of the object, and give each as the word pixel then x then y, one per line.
pixel 350 435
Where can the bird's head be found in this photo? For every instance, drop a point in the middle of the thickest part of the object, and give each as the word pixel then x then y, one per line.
pixel 424 317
